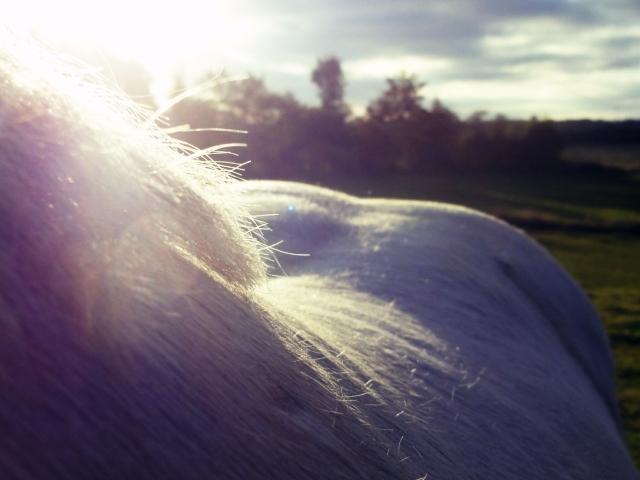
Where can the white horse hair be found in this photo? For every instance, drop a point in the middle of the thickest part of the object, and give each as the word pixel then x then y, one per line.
pixel 142 338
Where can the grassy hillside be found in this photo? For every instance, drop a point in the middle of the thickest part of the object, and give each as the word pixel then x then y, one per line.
pixel 590 222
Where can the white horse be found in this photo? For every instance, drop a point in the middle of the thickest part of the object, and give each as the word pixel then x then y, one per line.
pixel 142 338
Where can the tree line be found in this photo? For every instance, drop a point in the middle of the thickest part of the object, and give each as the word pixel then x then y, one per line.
pixel 397 134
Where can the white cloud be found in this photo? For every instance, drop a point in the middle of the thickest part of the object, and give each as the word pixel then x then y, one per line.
pixel 560 57
pixel 390 66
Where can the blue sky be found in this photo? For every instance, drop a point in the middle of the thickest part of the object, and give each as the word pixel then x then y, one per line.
pixel 551 58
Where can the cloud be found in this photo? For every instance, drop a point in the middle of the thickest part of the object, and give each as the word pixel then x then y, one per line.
pixel 390 66
pixel 474 54
pixel 563 58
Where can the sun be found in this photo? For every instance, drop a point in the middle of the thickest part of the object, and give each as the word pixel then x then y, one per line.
pixel 159 35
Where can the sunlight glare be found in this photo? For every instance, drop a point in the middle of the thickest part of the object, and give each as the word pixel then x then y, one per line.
pixel 158 35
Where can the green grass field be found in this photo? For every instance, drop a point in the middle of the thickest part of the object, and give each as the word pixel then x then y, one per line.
pixel 589 222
